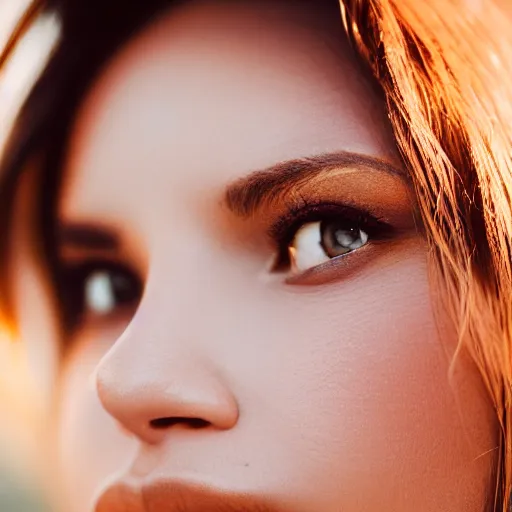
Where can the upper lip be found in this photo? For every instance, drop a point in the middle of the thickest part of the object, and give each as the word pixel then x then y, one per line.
pixel 178 496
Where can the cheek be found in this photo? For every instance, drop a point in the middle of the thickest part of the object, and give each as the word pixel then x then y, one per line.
pixel 91 446
pixel 353 388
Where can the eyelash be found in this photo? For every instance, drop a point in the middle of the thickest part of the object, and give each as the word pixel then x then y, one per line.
pixel 283 232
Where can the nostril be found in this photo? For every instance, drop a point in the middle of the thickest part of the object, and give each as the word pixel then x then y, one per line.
pixel 164 423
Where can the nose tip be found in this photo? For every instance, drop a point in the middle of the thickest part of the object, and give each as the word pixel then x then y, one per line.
pixel 151 401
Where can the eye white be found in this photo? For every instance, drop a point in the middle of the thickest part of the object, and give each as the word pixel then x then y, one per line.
pixel 306 250
pixel 99 293
pixel 312 245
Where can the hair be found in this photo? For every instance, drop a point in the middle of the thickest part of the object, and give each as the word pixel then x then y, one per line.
pixel 442 67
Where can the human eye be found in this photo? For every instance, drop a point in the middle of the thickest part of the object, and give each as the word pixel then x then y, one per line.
pixel 313 236
pixel 99 290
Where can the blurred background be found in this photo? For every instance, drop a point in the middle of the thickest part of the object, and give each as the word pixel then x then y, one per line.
pixel 21 410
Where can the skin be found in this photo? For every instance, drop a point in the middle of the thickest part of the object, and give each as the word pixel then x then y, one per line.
pixel 324 390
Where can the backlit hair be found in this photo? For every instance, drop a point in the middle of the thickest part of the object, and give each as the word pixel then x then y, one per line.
pixel 445 68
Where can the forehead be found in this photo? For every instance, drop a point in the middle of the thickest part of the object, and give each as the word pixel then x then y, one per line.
pixel 214 90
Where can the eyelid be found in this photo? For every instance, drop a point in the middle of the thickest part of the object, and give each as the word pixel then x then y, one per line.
pixel 341 267
pixel 106 239
pixel 307 211
pixel 283 231
pixel 352 264
pixel 376 194
pixel 247 195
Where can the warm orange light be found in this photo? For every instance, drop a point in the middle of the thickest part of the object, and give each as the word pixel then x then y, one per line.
pixel 20 410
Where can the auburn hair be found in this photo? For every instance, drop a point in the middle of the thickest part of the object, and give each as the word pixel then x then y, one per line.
pixel 445 69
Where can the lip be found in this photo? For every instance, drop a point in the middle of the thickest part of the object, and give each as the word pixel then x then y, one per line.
pixel 179 496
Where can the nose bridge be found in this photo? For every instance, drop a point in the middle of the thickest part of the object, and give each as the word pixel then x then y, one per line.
pixel 151 381
pixel 159 375
pixel 193 259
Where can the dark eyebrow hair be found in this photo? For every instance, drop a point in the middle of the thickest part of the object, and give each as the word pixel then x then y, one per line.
pixel 247 194
pixel 86 236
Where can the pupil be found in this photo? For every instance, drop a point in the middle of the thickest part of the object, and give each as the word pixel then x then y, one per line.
pixel 122 289
pixel 338 238
pixel 346 237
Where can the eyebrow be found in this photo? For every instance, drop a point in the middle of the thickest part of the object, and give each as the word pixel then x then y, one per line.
pixel 246 195
pixel 86 236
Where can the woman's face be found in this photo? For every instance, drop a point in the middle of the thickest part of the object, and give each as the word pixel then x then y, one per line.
pixel 255 328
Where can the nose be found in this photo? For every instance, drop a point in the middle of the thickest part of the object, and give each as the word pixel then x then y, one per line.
pixel 151 390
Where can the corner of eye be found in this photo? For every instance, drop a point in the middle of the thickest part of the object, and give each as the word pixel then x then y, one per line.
pixel 274 267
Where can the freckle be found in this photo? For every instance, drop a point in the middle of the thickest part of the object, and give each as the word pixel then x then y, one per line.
pixel 246 464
